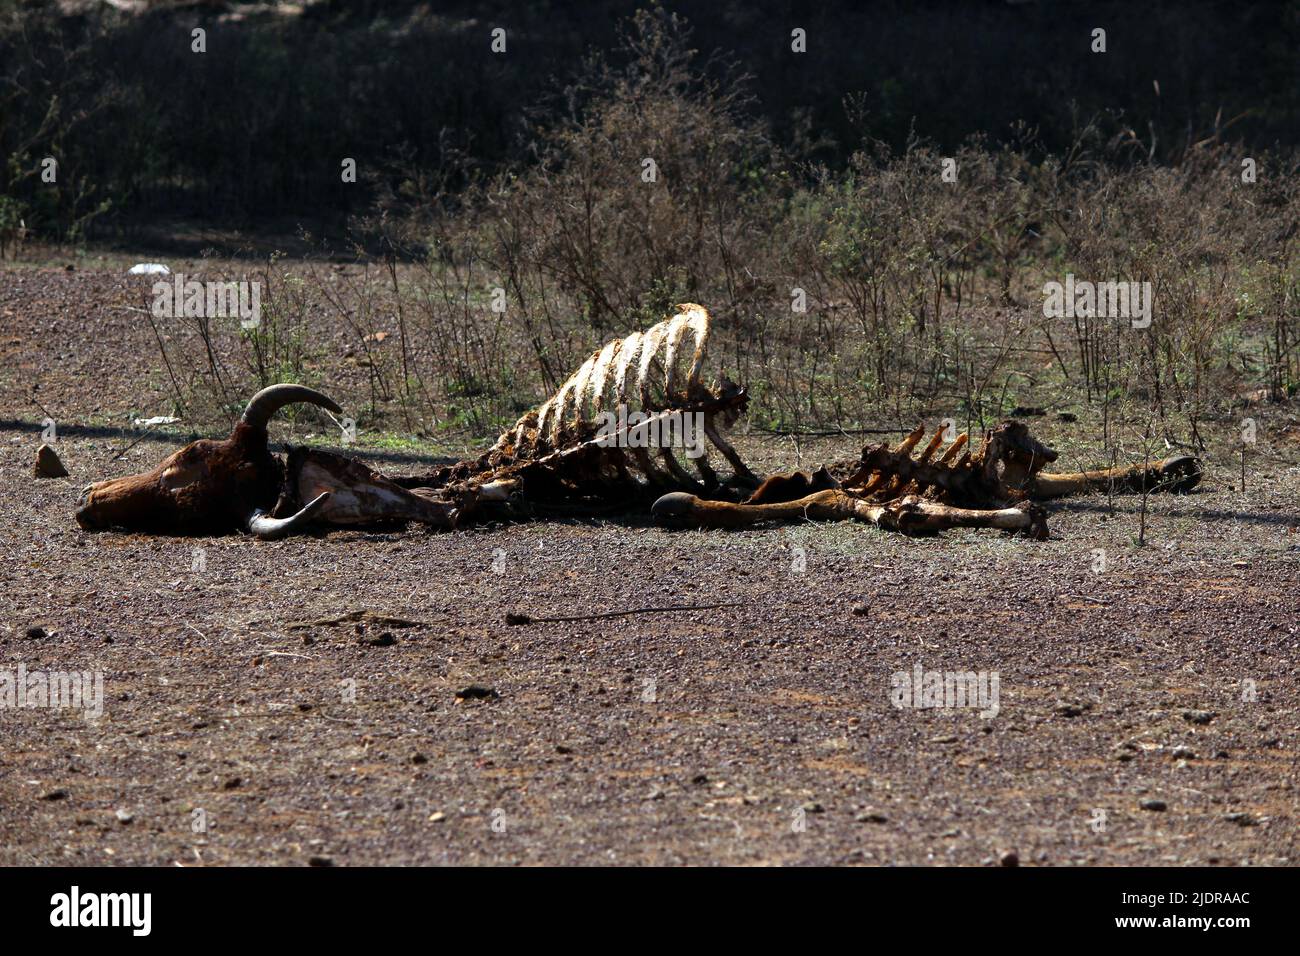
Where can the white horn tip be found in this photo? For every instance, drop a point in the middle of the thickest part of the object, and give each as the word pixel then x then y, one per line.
pixel 271 529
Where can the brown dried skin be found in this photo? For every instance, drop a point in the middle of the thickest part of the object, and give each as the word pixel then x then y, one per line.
pixel 791 487
pixel 208 487
pixel 358 495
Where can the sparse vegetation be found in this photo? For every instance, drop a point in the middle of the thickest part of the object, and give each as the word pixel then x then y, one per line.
pixel 919 295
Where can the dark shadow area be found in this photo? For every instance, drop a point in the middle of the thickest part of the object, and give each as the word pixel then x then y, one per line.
pixel 1130 505
pixel 130 436
pixel 255 127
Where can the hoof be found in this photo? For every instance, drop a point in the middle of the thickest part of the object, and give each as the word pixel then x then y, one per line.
pixel 673 506
pixel 1179 474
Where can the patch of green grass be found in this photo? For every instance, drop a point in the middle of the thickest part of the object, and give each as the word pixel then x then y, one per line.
pixel 406 442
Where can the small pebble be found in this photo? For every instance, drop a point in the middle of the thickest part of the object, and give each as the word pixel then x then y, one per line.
pixel 48 464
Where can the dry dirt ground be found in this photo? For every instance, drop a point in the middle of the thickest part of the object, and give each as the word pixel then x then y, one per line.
pixel 241 726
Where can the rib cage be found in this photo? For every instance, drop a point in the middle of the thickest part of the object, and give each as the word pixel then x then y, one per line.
pixel 641 373
pixel 992 476
pixel 553 459
pixel 589 391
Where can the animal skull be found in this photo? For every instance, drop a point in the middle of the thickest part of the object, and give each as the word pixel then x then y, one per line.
pixel 209 486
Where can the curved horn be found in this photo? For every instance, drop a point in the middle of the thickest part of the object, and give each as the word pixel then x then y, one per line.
pixel 272 529
pixel 274 397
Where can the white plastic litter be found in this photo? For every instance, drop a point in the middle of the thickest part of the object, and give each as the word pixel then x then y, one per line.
pixel 148 269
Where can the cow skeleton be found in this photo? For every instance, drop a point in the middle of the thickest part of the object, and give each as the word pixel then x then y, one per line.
pixel 558 459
